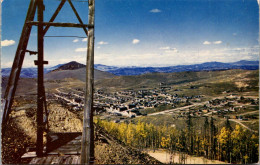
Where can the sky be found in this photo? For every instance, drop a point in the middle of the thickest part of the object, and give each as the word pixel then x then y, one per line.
pixel 141 32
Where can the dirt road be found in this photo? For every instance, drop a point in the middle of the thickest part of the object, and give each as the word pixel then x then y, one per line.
pixel 243 125
pixel 177 109
pixel 165 157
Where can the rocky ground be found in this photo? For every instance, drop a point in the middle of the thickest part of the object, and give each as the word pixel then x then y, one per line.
pixel 108 150
pixel 21 133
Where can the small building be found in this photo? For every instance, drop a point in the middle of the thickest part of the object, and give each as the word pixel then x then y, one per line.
pixel 130 106
pixel 122 108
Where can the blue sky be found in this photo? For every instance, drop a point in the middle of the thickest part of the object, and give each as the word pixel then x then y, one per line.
pixel 142 32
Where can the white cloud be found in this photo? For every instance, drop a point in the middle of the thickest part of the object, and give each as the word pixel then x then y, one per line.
pixel 206 43
pixel 7 64
pixel 155 11
pixel 217 42
pixel 81 49
pixel 76 40
pixel 238 49
pixel 168 49
pixel 7 42
pixel 102 43
pixel 234 34
pixel 167 56
pixel 165 48
pixel 98 47
pixel 172 50
pixel 135 41
pixel 28 62
pixel 84 39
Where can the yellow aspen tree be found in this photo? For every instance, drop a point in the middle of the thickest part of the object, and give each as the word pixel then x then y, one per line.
pixel 122 128
pixel 130 134
pixel 237 137
pixel 223 139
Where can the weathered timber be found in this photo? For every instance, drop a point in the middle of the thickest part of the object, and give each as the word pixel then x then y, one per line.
pixel 43 159
pixel 40 87
pixel 29 155
pixel 87 145
pixel 54 16
pixel 78 17
pixel 48 160
pixel 59 24
pixel 55 160
pixel 42 120
pixel 35 161
pixel 75 160
pixel 17 64
pixel 68 160
pixel 65 154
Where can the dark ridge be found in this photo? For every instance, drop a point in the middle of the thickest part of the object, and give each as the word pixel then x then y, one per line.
pixel 73 65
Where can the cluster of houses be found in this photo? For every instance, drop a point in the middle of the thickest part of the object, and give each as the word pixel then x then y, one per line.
pixel 129 103
pixel 74 101
pixel 227 105
pixel 126 103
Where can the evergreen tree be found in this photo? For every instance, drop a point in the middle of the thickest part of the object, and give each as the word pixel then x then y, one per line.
pixel 228 125
pixel 213 141
pixel 229 144
pixel 189 135
pixel 237 146
pixel 206 137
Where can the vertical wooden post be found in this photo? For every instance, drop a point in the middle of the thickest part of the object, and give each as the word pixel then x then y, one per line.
pixel 40 90
pixel 87 143
pixel 17 64
pixel 1 111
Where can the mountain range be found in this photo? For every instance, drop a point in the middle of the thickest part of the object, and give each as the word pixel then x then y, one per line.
pixel 124 71
pixel 28 72
pixel 208 66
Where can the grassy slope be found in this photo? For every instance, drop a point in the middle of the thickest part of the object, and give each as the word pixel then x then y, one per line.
pixel 77 74
pixel 206 82
pixel 214 85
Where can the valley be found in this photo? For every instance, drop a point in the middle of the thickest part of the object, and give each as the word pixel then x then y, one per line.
pixel 154 100
pixel 130 82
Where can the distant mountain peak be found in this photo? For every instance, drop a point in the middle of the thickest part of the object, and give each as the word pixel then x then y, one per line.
pixel 207 66
pixel 73 65
pixel 70 66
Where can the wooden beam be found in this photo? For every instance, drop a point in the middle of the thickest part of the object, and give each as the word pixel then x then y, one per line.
pixel 87 143
pixel 58 24
pixel 36 62
pixel 17 64
pixel 77 15
pixel 54 15
pixel 40 87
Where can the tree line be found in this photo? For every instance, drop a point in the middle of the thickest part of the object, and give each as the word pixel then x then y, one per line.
pixel 233 145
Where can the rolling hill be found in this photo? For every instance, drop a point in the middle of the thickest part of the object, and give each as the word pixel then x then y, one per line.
pixel 73 65
pixel 77 74
pixel 25 86
pixel 25 72
pixel 208 66
pixel 28 72
pixel 203 82
pixel 230 79
pixel 75 70
pixel 28 83
pixel 123 71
